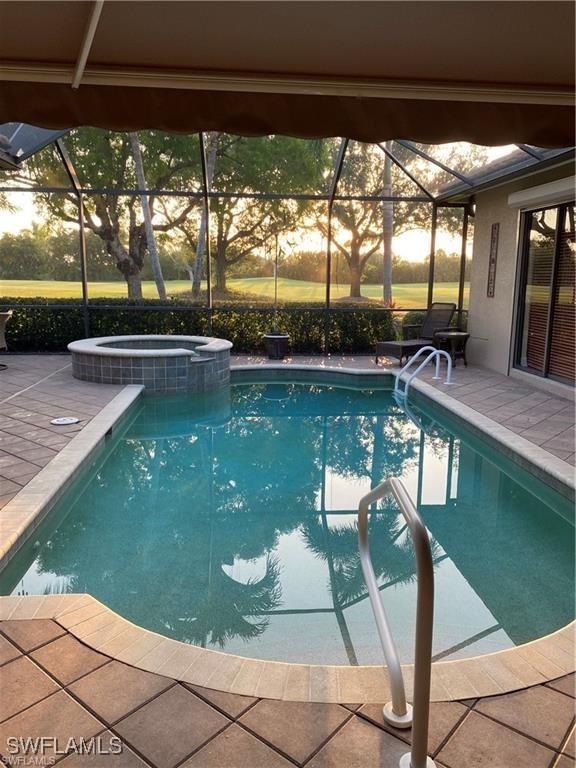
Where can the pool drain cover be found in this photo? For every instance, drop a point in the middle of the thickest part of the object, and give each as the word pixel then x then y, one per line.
pixel 63 421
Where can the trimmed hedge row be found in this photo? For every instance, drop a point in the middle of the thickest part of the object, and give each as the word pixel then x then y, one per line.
pixel 45 328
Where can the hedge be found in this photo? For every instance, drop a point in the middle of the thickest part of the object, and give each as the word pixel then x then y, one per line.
pixel 45 327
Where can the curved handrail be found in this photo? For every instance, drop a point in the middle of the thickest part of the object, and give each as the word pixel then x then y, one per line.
pixel 409 364
pixel 398 712
pixel 434 353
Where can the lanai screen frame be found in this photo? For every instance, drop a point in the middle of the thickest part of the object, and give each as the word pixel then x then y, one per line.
pixel 330 197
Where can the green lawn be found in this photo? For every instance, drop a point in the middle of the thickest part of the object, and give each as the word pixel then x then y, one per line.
pixel 406 295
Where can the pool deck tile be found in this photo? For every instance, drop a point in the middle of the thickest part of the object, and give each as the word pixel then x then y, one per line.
pixel 66 659
pixel 22 683
pixel 8 651
pixel 444 717
pixel 236 747
pixel 230 704
pixel 566 685
pixel 34 389
pixel 31 634
pixel 359 744
pixel 165 724
pixel 115 690
pixel 58 716
pixel 171 727
pixel 540 712
pixel 480 741
pixel 310 725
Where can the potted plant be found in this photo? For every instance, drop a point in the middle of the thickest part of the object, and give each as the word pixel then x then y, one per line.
pixel 277 344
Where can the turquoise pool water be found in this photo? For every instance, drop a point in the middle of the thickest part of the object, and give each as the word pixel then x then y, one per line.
pixel 229 522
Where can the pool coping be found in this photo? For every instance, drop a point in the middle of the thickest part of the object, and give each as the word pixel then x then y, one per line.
pixel 103 630
pixel 99 627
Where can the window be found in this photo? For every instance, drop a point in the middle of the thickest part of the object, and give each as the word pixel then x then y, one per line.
pixel 547 321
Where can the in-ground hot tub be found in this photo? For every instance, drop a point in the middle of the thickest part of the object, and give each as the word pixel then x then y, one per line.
pixel 168 364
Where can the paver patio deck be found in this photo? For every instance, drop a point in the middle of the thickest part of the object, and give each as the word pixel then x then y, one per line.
pixel 55 686
pixel 34 389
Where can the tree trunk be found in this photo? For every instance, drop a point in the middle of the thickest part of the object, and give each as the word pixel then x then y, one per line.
pixel 134 283
pixel 211 150
pixel 127 265
pixel 221 270
pixel 355 276
pixel 147 216
pixel 387 230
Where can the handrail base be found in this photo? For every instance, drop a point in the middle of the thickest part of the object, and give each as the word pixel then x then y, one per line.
pixel 406 762
pixel 397 721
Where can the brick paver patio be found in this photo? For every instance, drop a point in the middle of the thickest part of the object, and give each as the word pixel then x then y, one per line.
pixel 34 389
pixel 53 685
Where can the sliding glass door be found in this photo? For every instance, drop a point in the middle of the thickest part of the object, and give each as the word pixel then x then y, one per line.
pixel 547 320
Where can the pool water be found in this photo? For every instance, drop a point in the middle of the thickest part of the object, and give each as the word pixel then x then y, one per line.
pixel 230 522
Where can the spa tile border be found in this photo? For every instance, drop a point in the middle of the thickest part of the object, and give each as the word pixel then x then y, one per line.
pixel 201 344
pixel 163 364
pixel 548 468
pixel 22 515
pixel 101 629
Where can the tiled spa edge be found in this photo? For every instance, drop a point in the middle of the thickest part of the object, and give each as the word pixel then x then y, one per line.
pixel 27 509
pixel 103 630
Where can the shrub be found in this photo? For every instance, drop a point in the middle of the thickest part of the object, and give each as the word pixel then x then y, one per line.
pixel 49 327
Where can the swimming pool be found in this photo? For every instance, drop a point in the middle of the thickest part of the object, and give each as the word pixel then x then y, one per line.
pixel 228 521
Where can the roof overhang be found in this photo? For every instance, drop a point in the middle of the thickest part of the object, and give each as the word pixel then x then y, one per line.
pixel 427 71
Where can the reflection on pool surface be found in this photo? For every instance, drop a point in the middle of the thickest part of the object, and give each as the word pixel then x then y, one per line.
pixel 229 522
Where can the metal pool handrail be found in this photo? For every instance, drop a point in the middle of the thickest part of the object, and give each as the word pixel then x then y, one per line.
pixel 398 712
pixel 434 353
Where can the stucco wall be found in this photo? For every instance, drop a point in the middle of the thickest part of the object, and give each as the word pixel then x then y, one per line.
pixel 491 319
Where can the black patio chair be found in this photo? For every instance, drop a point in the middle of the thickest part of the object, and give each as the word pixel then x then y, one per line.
pixel 438 318
pixel 4 317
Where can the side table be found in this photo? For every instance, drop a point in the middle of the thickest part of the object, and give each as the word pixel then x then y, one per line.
pixel 453 342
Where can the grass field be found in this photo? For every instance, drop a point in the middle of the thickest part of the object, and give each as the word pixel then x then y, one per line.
pixel 406 295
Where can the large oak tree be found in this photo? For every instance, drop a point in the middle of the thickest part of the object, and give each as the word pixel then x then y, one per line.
pixel 104 162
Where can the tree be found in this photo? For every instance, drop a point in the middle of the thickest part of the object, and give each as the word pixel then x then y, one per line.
pixel 210 148
pixel 359 227
pixel 147 215
pixel 105 163
pixel 238 165
pixel 387 230
pixel 361 230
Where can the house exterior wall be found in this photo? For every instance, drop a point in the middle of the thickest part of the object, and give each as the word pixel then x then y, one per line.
pixel 491 320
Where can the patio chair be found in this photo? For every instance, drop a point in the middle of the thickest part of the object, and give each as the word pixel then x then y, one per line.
pixel 438 318
pixel 4 317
